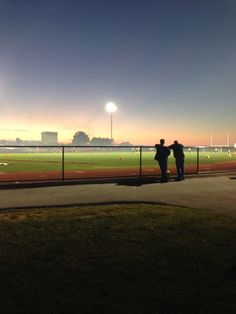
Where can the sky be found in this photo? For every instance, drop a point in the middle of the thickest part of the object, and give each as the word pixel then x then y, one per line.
pixel 168 65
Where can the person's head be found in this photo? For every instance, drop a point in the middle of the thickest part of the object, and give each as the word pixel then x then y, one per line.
pixel 162 141
pixel 176 142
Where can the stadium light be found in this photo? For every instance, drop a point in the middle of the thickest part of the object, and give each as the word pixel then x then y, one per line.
pixel 111 107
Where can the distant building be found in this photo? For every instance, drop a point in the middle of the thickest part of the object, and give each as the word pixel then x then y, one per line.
pixel 32 142
pixel 2 142
pixel 18 141
pixel 49 138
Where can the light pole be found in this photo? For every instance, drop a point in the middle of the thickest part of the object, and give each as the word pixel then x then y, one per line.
pixel 111 107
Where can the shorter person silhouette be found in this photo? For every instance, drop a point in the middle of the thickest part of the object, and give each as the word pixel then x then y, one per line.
pixel 179 159
pixel 162 153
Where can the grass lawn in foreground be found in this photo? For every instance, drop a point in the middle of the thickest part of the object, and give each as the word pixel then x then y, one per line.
pixel 117 259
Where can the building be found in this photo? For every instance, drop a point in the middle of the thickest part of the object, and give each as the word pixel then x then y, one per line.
pixel 49 138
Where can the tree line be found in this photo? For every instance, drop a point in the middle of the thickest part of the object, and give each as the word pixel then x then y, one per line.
pixel 81 138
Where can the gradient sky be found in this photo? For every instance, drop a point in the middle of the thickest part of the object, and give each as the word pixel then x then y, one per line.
pixel 170 66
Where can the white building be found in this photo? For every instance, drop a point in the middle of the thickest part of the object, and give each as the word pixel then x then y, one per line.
pixel 49 138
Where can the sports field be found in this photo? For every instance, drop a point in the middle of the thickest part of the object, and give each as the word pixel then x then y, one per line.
pixel 44 164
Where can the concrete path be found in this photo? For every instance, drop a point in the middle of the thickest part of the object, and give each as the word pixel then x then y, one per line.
pixel 213 193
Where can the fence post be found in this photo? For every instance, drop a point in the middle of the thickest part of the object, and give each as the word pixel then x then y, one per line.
pixel 197 160
pixel 63 164
pixel 140 161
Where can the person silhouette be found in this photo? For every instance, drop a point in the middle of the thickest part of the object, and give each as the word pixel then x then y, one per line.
pixel 162 153
pixel 179 159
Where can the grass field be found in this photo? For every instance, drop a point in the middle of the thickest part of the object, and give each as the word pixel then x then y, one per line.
pixel 44 161
pixel 117 259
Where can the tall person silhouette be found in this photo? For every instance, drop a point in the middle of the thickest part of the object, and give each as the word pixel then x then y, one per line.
pixel 162 153
pixel 179 159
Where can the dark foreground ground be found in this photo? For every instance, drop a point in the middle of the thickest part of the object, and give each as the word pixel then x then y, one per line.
pixel 117 259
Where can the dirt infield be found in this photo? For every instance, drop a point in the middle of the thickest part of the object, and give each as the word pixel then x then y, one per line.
pixel 108 173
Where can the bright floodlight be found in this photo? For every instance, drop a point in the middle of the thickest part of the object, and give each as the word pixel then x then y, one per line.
pixel 111 107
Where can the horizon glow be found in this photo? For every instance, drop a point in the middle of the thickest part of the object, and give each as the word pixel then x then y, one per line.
pixel 170 67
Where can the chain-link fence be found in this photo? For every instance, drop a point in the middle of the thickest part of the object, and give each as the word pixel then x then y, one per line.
pixel 42 163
